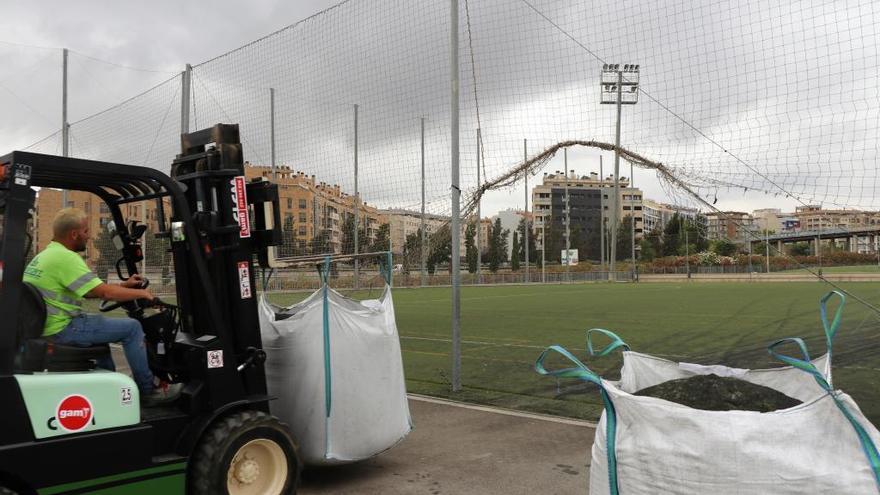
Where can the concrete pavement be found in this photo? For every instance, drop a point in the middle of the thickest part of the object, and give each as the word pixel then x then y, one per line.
pixel 462 449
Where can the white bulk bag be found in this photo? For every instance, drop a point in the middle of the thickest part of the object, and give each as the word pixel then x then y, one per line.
pixel 646 445
pixel 336 368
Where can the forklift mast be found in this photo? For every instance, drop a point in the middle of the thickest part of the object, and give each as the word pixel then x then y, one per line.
pixel 230 215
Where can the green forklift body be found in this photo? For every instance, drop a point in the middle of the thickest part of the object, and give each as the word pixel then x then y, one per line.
pixel 66 403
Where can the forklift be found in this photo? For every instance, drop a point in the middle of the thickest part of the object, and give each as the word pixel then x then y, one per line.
pixel 66 427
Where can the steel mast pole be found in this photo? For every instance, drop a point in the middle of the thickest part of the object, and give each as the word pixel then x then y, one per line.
pixel 456 198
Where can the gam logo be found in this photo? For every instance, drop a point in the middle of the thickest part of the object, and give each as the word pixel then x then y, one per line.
pixel 73 413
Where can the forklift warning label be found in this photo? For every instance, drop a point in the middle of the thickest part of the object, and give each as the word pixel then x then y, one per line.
pixel 215 359
pixel 244 279
pixel 239 206
pixel 74 412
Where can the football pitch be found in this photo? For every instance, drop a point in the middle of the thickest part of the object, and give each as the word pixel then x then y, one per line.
pixel 505 328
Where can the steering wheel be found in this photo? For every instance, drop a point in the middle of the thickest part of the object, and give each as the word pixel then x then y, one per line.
pixel 107 306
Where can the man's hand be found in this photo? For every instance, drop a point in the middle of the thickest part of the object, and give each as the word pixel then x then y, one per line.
pixel 133 282
pixel 148 295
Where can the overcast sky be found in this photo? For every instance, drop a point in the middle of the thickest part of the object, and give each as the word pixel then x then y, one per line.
pixel 747 101
pixel 159 35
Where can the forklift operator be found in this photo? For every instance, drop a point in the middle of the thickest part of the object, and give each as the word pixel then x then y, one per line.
pixel 63 279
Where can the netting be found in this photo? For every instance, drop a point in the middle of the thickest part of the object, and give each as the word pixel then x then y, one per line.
pixel 740 106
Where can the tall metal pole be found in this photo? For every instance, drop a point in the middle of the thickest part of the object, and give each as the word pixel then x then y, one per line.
pixel 632 217
pixel 687 247
pixel 601 214
pixel 479 216
pixel 616 203
pixel 528 230
pixel 357 204
pixel 567 222
pixel 767 247
pixel 543 247
pixel 750 254
pixel 272 130
pixel 424 243
pixel 65 127
pixel 185 90
pixel 456 198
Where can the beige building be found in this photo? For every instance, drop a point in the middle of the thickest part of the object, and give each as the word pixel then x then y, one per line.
pixel 48 203
pixel 657 215
pixel 404 223
pixel 813 217
pixel 768 219
pixel 309 207
pixel 731 225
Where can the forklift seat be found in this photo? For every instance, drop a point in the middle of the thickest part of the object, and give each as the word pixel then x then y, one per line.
pixel 37 353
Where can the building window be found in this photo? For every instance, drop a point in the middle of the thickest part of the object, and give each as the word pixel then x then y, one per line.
pixel 289 203
pixel 638 208
pixel 302 217
pixel 104 208
pixel 626 208
pixel 302 230
pixel 302 204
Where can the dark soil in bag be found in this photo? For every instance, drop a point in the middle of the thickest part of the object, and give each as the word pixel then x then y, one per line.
pixel 716 393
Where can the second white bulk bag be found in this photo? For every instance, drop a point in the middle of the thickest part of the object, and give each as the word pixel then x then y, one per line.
pixel 335 366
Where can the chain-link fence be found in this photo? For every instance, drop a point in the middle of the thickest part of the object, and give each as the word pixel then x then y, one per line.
pixel 748 105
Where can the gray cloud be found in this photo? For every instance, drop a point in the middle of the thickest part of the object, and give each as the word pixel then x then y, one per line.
pixel 750 96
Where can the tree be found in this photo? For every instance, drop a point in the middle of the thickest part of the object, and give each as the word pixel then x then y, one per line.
pixel 382 242
pixel 288 243
pixel 648 251
pixel 320 244
pixel 624 239
pixel 679 229
pixel 497 245
pixel 514 259
pixel 724 247
pixel 651 246
pixel 470 247
pixel 531 240
pixel 801 249
pixel 412 251
pixel 553 242
pixel 348 236
pixel 440 250
pixel 673 237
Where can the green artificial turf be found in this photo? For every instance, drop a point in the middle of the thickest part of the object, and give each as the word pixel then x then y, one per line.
pixel 505 328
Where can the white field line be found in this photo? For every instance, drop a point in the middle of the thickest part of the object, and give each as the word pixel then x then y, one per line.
pixel 506 412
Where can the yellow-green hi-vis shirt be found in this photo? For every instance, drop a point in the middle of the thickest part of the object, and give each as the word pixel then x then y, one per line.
pixel 63 279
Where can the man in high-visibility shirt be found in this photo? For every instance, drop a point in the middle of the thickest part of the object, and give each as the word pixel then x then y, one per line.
pixel 63 279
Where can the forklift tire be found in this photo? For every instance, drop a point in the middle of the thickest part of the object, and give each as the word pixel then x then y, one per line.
pixel 7 491
pixel 246 453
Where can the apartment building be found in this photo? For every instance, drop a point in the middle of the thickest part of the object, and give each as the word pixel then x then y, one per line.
pixel 310 208
pixel 590 203
pixel 730 225
pixel 403 223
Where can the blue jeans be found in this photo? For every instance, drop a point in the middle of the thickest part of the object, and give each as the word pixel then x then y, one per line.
pixel 86 330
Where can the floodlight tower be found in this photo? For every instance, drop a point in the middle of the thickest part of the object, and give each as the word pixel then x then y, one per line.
pixel 619 87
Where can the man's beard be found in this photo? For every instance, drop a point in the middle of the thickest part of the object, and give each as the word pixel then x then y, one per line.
pixel 80 246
